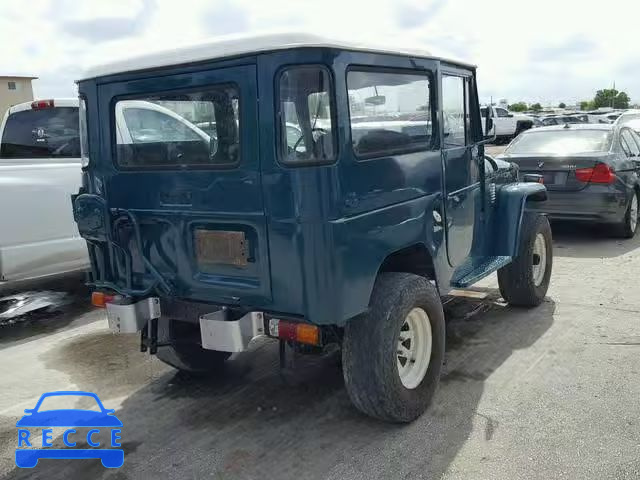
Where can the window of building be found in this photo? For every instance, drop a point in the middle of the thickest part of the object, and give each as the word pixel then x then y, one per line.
pixel 11 85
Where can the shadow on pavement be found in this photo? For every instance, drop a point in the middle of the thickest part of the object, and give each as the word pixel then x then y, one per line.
pixel 580 240
pixel 250 423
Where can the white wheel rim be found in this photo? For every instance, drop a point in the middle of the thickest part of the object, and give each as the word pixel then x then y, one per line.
pixel 633 213
pixel 539 260
pixel 414 348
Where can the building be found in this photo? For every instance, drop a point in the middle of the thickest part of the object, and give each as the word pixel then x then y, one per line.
pixel 14 89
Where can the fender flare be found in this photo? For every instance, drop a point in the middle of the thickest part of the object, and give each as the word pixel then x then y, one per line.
pixel 512 201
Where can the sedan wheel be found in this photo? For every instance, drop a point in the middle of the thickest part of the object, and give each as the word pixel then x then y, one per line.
pixel 633 213
pixel 630 222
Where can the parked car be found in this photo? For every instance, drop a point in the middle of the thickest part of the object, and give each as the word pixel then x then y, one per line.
pixel 507 124
pixel 590 171
pixel 40 163
pixel 631 119
pixel 607 117
pixel 561 120
pixel 39 170
pixel 351 245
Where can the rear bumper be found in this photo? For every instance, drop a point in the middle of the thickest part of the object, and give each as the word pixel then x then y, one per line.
pixel 595 203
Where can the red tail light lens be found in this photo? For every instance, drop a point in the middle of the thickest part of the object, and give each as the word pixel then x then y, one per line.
pixel 297 332
pixel 100 299
pixel 601 173
pixel 42 104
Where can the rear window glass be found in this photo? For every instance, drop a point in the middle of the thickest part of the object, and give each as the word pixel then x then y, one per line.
pixel 50 132
pixel 561 142
pixel 179 129
pixel 632 120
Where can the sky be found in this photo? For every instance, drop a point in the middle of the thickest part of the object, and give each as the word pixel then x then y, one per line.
pixel 544 51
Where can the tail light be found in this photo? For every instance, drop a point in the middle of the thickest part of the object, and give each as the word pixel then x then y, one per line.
pixel 42 104
pixel 601 173
pixel 295 331
pixel 100 299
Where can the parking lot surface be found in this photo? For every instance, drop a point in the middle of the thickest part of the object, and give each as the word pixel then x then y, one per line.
pixel 545 393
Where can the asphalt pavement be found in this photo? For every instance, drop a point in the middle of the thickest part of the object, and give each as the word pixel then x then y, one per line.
pixel 547 393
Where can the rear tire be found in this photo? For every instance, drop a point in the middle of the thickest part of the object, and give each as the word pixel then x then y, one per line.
pixel 629 224
pixel 525 281
pixel 404 321
pixel 184 351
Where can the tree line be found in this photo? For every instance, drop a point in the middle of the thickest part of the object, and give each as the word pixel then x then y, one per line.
pixel 607 97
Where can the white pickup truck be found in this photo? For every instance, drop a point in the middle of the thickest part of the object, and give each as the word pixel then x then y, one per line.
pixel 507 124
pixel 39 170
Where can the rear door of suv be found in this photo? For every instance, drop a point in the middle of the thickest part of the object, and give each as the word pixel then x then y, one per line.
pixel 179 152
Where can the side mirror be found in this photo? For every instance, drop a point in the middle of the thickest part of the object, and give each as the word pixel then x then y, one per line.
pixel 510 115
pixel 28 410
pixel 488 125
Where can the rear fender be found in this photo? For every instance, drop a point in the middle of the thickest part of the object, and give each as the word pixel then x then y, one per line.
pixel 511 202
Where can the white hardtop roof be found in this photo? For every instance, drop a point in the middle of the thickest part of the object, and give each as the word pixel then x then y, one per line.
pixel 238 45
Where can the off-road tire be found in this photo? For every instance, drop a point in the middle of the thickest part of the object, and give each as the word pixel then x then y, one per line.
pixel 515 280
pixel 626 230
pixel 182 349
pixel 369 350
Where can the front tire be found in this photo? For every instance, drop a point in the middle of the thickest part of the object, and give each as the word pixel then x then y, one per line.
pixel 184 352
pixel 525 281
pixel 393 354
pixel 630 221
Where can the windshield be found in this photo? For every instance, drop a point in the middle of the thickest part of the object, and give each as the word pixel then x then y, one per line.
pixel 560 142
pixel 49 132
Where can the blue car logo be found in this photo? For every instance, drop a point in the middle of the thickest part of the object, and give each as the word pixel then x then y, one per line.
pixel 103 419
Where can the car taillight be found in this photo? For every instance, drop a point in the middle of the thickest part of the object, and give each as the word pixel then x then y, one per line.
pixel 601 173
pixel 42 104
pixel 100 299
pixel 294 331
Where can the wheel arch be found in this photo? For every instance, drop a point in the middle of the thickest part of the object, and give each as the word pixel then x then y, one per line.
pixel 416 259
pixel 512 202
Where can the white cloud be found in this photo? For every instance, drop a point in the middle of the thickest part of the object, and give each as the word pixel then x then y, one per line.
pixel 547 51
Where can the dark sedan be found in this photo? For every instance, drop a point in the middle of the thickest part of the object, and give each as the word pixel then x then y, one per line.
pixel 590 171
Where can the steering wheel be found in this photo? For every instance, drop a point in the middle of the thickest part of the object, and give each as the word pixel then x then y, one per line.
pixel 493 163
pixel 319 131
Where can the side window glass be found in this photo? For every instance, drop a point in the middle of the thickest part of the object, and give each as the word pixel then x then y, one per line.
pixel 453 111
pixel 501 112
pixel 390 113
pixel 631 146
pixel 636 137
pixel 625 148
pixel 467 111
pixel 304 112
